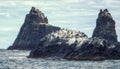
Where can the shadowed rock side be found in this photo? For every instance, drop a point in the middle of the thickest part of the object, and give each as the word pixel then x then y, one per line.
pixel 76 46
pixel 34 28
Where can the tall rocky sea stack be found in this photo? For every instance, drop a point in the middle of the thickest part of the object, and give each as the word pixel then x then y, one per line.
pixel 105 27
pixel 34 28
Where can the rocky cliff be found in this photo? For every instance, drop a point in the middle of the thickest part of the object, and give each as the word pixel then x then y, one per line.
pixel 33 29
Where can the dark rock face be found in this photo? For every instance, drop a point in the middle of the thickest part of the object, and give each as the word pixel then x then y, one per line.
pixel 34 28
pixel 105 27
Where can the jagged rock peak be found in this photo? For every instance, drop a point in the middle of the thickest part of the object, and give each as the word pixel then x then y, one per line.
pixel 36 11
pixel 105 26
pixel 36 16
pixel 104 13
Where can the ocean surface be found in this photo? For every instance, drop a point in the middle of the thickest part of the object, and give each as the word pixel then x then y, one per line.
pixel 17 60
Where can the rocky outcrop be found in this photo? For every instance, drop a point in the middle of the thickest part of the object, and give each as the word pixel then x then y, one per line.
pixel 46 40
pixel 76 46
pixel 58 43
pixel 102 45
pixel 34 28
pixel 105 27
pixel 78 49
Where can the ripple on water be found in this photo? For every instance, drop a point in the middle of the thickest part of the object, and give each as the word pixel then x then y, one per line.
pixel 17 60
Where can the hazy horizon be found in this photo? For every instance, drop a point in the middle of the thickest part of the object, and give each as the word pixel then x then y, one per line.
pixel 78 15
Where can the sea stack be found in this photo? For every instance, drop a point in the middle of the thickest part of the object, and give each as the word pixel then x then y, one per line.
pixel 33 29
pixel 105 27
pixel 102 45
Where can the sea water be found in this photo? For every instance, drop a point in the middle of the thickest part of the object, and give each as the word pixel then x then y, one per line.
pixel 15 59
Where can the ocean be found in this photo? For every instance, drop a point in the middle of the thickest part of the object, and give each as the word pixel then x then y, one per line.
pixel 15 59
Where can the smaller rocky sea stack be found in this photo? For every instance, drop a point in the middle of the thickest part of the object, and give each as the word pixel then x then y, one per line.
pixel 105 27
pixel 103 44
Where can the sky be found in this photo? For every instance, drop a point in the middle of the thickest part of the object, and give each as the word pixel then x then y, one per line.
pixel 78 15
